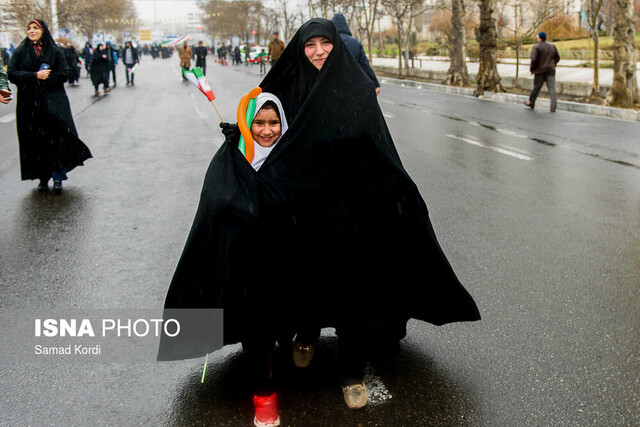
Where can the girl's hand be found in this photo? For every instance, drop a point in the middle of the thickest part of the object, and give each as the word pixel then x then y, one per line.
pixel 43 74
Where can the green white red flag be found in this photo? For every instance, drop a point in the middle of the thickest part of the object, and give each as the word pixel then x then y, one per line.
pixel 196 77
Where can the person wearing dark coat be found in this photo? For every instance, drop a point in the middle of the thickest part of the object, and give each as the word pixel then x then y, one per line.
pixel 49 143
pixel 355 48
pixel 72 60
pixel 87 54
pixel 129 59
pixel 100 69
pixel 544 58
pixel 112 56
pixel 331 224
pixel 200 53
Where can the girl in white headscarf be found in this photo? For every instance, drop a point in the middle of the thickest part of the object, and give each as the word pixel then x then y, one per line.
pixel 268 124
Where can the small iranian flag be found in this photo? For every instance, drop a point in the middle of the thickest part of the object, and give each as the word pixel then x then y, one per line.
pixel 196 77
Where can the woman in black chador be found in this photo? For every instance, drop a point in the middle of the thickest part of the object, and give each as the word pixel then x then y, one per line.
pixel 49 143
pixel 99 69
pixel 331 231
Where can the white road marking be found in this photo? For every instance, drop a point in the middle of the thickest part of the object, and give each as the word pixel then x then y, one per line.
pixel 200 113
pixel 378 393
pixel 387 115
pixel 8 118
pixel 471 141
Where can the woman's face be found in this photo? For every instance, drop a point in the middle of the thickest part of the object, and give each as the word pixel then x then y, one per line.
pixel 317 50
pixel 266 127
pixel 34 33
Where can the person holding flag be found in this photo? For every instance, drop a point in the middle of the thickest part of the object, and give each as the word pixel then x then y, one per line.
pixel 331 231
pixel 130 59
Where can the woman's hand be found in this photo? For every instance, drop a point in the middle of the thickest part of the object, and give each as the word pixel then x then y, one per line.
pixel 230 132
pixel 43 74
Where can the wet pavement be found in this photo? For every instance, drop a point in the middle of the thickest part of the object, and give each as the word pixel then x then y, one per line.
pixel 538 213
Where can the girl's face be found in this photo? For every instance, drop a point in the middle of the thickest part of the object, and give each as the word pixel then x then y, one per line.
pixel 34 33
pixel 266 128
pixel 317 50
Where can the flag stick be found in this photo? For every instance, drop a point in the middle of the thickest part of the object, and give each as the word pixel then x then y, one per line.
pixel 214 106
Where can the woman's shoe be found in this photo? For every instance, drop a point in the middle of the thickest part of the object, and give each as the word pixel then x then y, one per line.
pixel 57 187
pixel 266 411
pixel 97 93
pixel 355 395
pixel 44 185
pixel 302 354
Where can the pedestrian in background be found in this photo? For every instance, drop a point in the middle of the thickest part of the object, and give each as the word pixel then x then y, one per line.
pixel 276 46
pixel 201 57
pixel 355 48
pixel 544 57
pixel 4 55
pixel 130 59
pixel 185 53
pixel 72 58
pixel 49 143
pixel 100 69
pixel 87 54
pixel 112 56
pixel 5 90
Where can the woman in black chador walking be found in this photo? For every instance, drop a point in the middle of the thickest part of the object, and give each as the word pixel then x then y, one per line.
pixel 330 231
pixel 49 143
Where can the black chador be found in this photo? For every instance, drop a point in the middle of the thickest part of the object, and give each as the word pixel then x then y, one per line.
pixel 331 225
pixel 47 134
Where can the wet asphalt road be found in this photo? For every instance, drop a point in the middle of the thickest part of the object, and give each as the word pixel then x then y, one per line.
pixel 539 214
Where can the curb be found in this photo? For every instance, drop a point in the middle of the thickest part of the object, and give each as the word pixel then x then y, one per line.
pixel 574 107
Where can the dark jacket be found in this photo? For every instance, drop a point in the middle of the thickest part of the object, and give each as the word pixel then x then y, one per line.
pixel 46 131
pixel 100 67
pixel 354 47
pixel 544 57
pixel 200 53
pixel 71 56
pixel 134 55
pixel 87 53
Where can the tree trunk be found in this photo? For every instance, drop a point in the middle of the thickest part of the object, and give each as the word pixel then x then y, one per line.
pixel 624 90
pixel 457 74
pixel 595 90
pixel 399 48
pixel 488 77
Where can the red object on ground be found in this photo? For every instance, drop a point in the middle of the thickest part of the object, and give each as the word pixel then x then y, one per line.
pixel 266 410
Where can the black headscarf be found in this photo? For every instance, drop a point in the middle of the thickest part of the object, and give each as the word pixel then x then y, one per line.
pixel 47 44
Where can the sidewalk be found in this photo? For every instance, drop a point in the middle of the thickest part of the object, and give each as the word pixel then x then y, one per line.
pixel 570 80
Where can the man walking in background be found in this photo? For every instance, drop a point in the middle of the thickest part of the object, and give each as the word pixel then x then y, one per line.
pixel 355 48
pixel 201 57
pixel 276 47
pixel 544 57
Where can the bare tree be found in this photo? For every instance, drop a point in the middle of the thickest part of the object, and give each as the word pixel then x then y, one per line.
pixel 369 10
pixel 593 16
pixel 624 90
pixel 488 78
pixel 528 15
pixel 457 74
pixel 89 16
pixel 403 13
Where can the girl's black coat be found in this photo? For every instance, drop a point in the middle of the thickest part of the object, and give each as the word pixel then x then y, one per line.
pixel 46 131
pixel 331 226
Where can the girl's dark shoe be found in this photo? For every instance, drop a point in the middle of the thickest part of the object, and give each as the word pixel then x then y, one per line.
pixel 57 187
pixel 44 185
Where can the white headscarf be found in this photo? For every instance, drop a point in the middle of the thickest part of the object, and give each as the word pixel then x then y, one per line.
pixel 260 152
